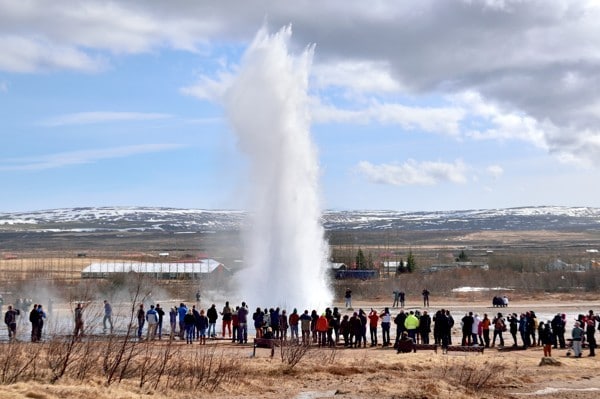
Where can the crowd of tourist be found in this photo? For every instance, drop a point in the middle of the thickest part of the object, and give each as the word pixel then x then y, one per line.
pixel 350 328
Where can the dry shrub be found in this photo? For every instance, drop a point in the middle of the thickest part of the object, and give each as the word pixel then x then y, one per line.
pixel 292 353
pixel 474 375
pixel 204 369
pixel 342 371
pixel 18 362
pixel 391 367
pixel 158 366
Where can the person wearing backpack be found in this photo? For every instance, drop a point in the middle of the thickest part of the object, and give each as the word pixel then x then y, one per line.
pixel 499 328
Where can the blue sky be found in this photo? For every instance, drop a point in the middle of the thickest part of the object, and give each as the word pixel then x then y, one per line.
pixel 415 105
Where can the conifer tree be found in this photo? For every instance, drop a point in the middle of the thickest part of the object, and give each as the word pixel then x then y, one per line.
pixel 411 264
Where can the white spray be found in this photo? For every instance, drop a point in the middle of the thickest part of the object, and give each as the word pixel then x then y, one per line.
pixel 267 106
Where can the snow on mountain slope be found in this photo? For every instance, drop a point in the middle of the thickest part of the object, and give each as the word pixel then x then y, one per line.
pixel 182 220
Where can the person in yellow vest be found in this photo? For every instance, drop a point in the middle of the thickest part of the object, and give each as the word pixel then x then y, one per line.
pixel 411 324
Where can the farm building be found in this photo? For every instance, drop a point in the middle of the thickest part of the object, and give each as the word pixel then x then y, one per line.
pixel 390 267
pixel 205 268
pixel 338 266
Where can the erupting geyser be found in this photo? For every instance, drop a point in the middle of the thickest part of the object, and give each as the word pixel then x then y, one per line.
pixel 267 105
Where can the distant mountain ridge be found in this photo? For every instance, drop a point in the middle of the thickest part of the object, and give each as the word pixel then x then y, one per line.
pixel 196 220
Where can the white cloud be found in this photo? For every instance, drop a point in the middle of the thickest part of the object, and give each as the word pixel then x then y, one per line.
pixel 20 54
pixel 59 160
pixel 66 35
pixel 536 63
pixel 442 120
pixel 87 118
pixel 210 89
pixel 495 171
pixel 414 173
pixel 360 76
pixel 500 124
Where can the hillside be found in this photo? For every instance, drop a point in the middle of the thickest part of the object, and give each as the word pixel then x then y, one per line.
pixel 90 219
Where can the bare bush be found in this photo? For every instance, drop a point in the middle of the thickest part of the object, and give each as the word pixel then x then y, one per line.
pixel 292 353
pixel 203 369
pixel 18 362
pixel 474 375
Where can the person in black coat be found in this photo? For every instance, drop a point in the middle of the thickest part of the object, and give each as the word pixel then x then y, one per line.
pixel 424 327
pixel 212 315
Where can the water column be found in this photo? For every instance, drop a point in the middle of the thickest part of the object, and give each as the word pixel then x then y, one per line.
pixel 267 106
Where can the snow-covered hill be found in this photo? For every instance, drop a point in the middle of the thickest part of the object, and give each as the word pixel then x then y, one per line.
pixel 195 220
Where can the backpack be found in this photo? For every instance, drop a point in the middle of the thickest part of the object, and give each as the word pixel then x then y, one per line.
pixel 499 324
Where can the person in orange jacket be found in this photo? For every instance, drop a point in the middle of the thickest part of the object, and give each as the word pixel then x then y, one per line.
pixel 321 328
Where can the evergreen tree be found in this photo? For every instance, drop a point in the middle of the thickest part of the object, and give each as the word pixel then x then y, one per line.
pixel 462 257
pixel 361 261
pixel 411 264
pixel 400 268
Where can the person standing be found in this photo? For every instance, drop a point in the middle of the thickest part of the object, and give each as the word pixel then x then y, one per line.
pixel 243 324
pixel 322 330
pixel 141 318
pixel 386 321
pixel 348 298
pixel 294 321
pixel 196 314
pixel 399 321
pixel 425 327
pixel 107 316
pixel 10 319
pixel 475 331
pixel 212 315
pixel 41 318
pixel 235 326
pixel 283 325
pixel 305 321
pixel 425 294
pixel 189 324
pixel 467 329
pixel 161 313
pixel 173 321
pixel 590 330
pixel 485 329
pixel 411 324
pixel 558 329
pixel 259 321
pixel 226 318
pixel 396 293
pixel 513 327
pixel 402 299
pixel 577 336
pixel 78 315
pixel 34 320
pixel 546 338
pixel 152 319
pixel 182 310
pixel 274 321
pixel 202 324
pixel 442 329
pixel 373 322
pixel 499 327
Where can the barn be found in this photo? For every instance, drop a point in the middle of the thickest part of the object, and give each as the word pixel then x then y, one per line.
pixel 202 269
